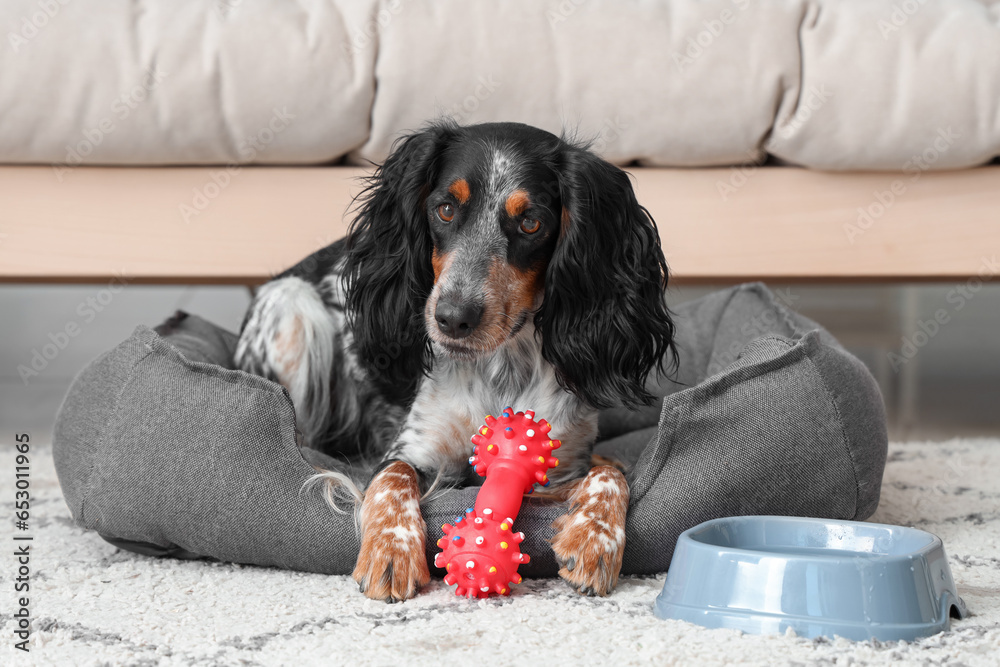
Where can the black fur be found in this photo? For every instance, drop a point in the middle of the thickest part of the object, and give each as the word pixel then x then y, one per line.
pixel 388 268
pixel 604 322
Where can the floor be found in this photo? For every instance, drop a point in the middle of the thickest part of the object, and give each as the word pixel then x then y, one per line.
pixel 92 604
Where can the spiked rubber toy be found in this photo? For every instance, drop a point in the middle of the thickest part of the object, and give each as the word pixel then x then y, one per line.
pixel 480 552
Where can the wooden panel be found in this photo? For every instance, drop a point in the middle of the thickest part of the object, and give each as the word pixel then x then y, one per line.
pixel 164 225
pixel 793 224
pixel 179 225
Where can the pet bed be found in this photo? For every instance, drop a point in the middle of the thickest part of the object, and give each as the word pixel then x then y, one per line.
pixel 164 449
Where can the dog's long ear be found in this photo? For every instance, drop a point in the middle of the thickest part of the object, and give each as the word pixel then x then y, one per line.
pixel 604 322
pixel 388 268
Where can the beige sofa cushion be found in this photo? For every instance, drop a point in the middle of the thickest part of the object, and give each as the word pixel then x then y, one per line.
pixel 894 84
pixel 611 71
pixel 834 84
pixel 184 81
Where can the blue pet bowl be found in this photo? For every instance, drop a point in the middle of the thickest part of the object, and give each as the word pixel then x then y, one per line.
pixel 765 574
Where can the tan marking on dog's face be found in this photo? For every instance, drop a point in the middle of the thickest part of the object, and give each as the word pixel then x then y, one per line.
pixel 512 293
pixel 460 190
pixel 517 288
pixel 590 538
pixel 440 261
pixel 392 563
pixel 517 203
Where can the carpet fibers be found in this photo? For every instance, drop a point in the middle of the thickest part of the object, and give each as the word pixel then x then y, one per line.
pixel 93 604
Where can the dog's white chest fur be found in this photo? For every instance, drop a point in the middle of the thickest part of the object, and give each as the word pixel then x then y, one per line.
pixel 456 397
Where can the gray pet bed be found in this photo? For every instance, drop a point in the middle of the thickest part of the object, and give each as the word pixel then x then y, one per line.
pixel 165 450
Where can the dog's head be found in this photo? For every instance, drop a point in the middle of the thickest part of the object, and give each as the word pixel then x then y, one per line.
pixel 465 234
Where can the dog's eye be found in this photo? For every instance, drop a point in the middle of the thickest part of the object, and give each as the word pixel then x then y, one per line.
pixel 446 212
pixel 530 226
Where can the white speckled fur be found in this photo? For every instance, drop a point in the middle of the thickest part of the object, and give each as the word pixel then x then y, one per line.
pixel 453 400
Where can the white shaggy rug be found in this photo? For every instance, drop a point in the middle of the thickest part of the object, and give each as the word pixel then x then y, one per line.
pixel 93 604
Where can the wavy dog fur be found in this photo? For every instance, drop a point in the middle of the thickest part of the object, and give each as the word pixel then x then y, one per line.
pixel 487 266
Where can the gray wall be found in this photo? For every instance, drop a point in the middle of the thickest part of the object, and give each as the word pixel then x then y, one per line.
pixel 34 321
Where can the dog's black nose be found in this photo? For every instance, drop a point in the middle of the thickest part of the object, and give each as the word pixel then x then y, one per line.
pixel 457 320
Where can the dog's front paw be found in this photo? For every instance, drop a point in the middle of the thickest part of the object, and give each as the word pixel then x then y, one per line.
pixel 391 569
pixel 392 563
pixel 590 539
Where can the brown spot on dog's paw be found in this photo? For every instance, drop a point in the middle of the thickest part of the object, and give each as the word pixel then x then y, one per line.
pixel 590 538
pixel 392 564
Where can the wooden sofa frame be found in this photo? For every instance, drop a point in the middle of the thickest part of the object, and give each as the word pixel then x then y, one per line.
pixel 218 225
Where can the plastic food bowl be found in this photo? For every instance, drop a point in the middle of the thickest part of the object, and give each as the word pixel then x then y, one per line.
pixel 765 574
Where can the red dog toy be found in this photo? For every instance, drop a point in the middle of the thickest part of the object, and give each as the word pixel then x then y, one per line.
pixel 480 552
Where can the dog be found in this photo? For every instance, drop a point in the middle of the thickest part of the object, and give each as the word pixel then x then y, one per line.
pixel 487 266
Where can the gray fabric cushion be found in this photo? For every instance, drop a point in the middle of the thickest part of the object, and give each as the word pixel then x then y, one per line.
pixel 164 450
